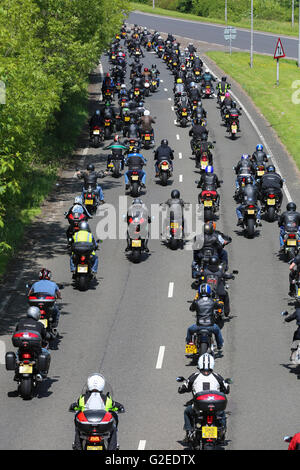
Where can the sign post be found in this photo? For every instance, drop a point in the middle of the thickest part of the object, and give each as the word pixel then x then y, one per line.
pixel 229 35
pixel 279 52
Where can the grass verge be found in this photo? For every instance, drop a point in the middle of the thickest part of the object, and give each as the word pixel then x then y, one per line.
pixel 279 104
pixel 38 181
pixel 268 26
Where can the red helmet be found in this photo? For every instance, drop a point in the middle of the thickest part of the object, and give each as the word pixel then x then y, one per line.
pixel 116 138
pixel 146 69
pixel 45 274
pixel 107 74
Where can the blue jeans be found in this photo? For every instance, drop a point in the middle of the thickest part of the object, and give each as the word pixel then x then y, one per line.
pixel 94 259
pixel 215 329
pixel 142 175
pixel 100 193
pixel 239 212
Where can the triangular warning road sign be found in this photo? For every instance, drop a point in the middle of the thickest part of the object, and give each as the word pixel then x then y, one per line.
pixel 279 52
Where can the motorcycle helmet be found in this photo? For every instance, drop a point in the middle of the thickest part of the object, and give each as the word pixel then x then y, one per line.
pixel 164 142
pixel 137 201
pixel 259 147
pixel 84 226
pixel 45 274
pixel 95 383
pixel 179 80
pixel 204 290
pixel 214 260
pixel 291 206
pixel 175 194
pixel 206 362
pixel 146 112
pixel 97 112
pixel 227 95
pixel 271 169
pixel 223 79
pixel 90 167
pixel 209 169
pixel 208 228
pixel 146 69
pixel 244 157
pixel 34 312
pixel 116 138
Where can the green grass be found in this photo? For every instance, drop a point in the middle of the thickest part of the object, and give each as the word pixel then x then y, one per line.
pixel 269 26
pixel 39 179
pixel 275 102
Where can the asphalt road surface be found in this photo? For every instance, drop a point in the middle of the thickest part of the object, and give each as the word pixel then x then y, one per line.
pixel 263 43
pixel 132 325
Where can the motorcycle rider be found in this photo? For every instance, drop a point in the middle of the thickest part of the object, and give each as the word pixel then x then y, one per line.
pixel 249 195
pixel 32 323
pixel 162 153
pixel 95 399
pixel 244 168
pixel 204 307
pixel 289 217
pixel 145 123
pixel 90 178
pixel 207 79
pixel 77 208
pixel 116 148
pixel 47 286
pixel 259 157
pixel 84 238
pixel 108 84
pixel 215 269
pixel 96 120
pixel 234 114
pixel 136 212
pixel 294 274
pixel 271 180
pixel 209 181
pixel 175 208
pixel 201 381
pixel 296 337
pixel 226 105
pixel 135 161
pixel 223 86
pixel 197 132
pixel 212 238
pixel 201 147
pixel 191 48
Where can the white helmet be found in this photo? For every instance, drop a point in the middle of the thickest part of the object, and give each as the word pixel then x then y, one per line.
pixel 123 85
pixel 146 112
pixel 206 71
pixel 95 382
pixel 206 362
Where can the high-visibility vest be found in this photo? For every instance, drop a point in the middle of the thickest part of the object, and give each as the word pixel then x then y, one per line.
pixel 83 236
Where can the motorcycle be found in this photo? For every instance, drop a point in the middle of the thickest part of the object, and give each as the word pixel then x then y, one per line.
pixel 291 242
pixel 209 201
pixel 74 220
pixel 220 97
pixel 45 303
pixel 207 91
pixel 182 117
pixel 107 95
pixel 233 129
pixel 136 242
pixel 197 74
pixel 202 342
pixel 146 87
pixel 28 362
pixel 147 140
pixel 90 197
pixel 270 204
pixel 115 165
pixel 259 173
pixel 165 171
pixel 134 182
pixel 108 128
pixel 160 51
pixel 83 267
pixel 97 136
pixel 202 160
pixel 153 85
pixel 249 219
pixel 208 432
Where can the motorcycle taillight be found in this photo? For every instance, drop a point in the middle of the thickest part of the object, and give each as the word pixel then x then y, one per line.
pixel 292 235
pixel 271 196
pixel 82 258
pixel 26 356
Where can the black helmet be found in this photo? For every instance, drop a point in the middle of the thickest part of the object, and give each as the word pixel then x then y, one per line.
pixel 214 260
pixel 90 167
pixel 208 228
pixel 84 226
pixel 175 194
pixel 164 142
pixel 223 79
pixel 271 169
pixel 291 206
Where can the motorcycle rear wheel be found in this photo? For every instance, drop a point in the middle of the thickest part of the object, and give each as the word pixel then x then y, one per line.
pixel 26 388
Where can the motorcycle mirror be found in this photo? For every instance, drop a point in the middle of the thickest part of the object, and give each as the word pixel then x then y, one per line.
pixel 214 142
pixel 287 438
pixel 229 381
pixel 284 313
pixel 221 181
pixel 180 379
pixel 235 271
pixel 28 286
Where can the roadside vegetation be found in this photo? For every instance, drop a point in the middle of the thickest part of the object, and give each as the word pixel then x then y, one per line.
pixel 47 49
pixel 279 104
pixel 272 16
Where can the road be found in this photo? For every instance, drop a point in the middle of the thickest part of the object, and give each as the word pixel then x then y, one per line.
pixel 120 326
pixel 263 43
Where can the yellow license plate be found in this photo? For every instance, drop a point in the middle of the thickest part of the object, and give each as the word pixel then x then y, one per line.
pixel 222 98
pixel 234 128
pixel 134 178
pixel 291 242
pixel 44 321
pixel 88 202
pixel 251 211
pixel 96 132
pixel 209 432
pixel 174 225
pixel 208 203
pixel 174 63
pixel 113 56
pixel 147 137
pixel 111 165
pixel 136 243
pixel 127 119
pixel 25 369
pixel 136 93
pixel 260 173
pixel 227 116
pixel 165 167
pixel 197 73
pixel 190 349
pixel 203 165
pixel 154 83
pixel 83 269
pixel 94 448
pixel 184 114
pixel 107 123
pixel 271 202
